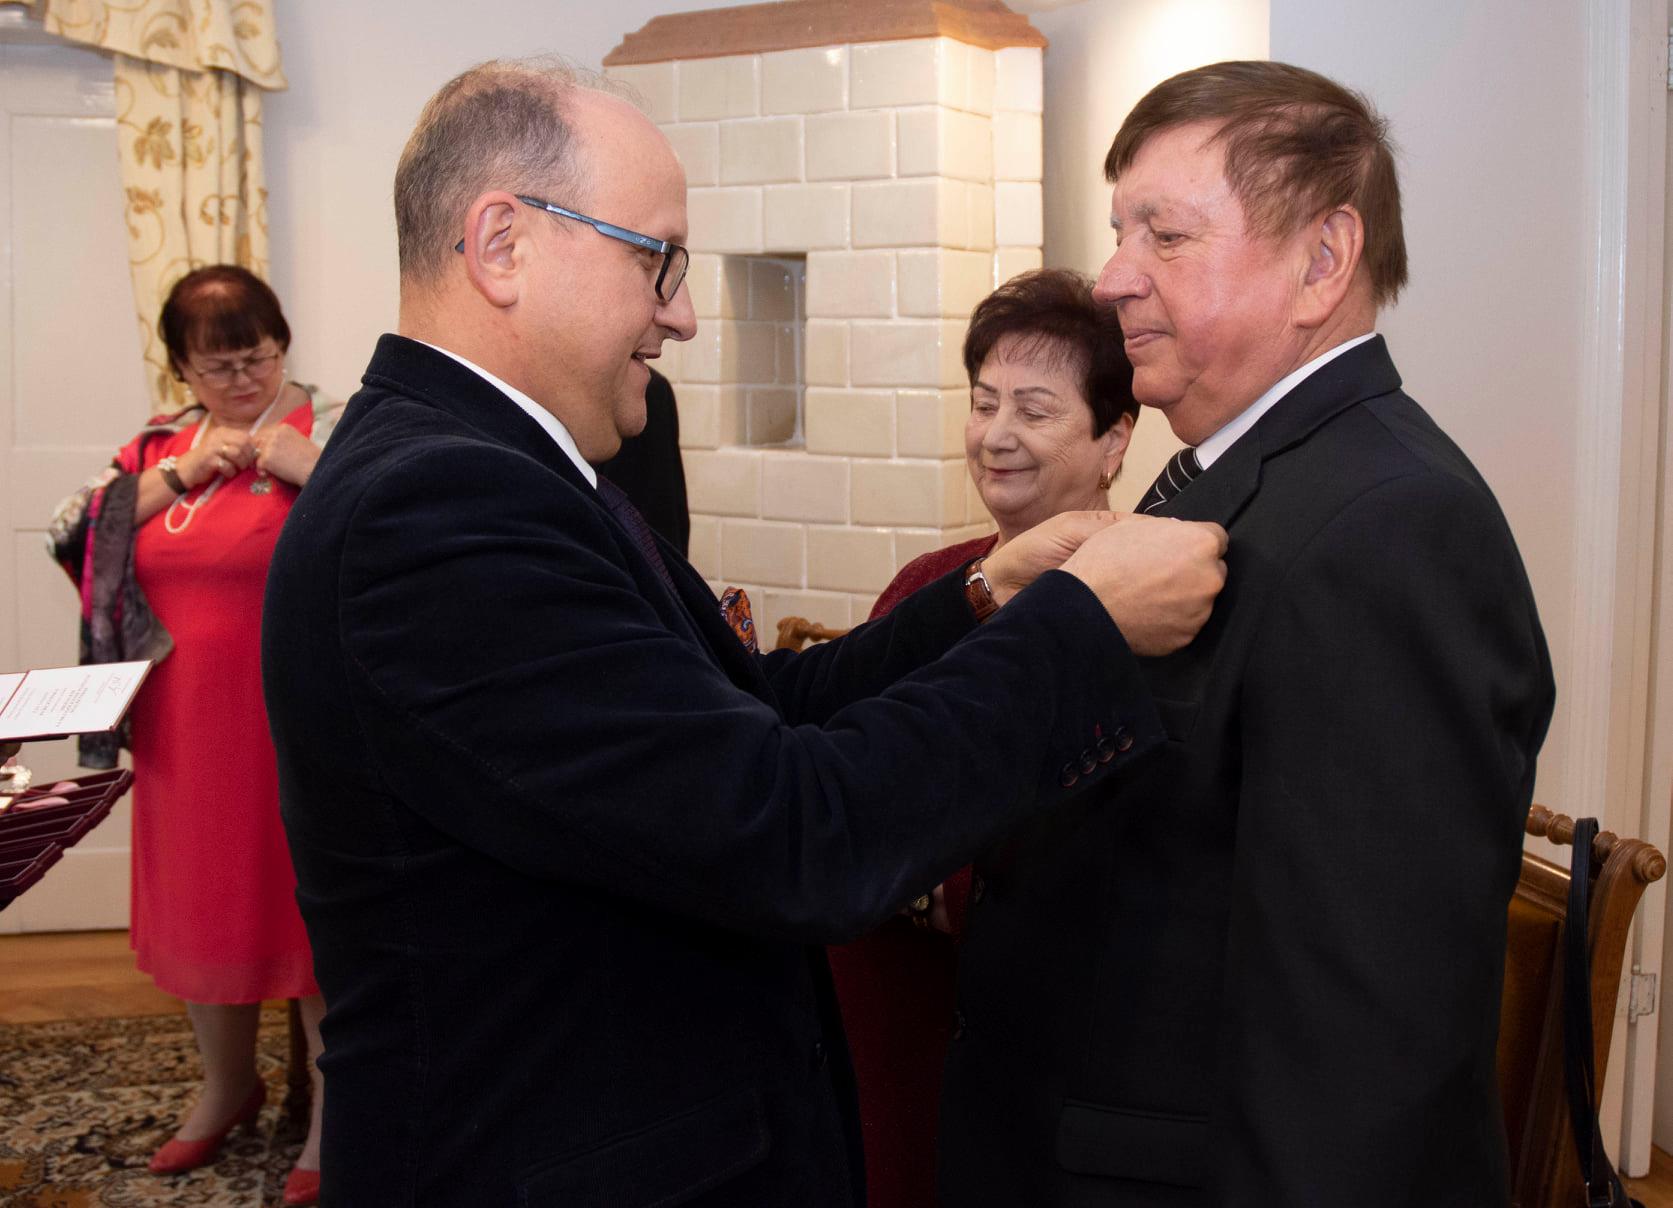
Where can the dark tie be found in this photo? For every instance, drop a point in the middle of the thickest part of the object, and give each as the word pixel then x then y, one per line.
pixel 1182 467
pixel 636 527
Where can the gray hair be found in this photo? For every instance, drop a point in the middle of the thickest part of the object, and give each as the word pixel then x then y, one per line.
pixel 499 125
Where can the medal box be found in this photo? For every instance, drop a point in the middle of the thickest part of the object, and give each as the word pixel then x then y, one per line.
pixel 38 825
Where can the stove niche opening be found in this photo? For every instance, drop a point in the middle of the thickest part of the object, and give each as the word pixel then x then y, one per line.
pixel 761 349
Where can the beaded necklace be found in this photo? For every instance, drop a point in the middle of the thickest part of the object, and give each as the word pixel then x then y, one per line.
pixel 191 509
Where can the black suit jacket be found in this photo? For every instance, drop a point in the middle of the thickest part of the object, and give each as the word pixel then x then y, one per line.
pixel 1268 974
pixel 566 852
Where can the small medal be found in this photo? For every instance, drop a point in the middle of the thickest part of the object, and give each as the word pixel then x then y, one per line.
pixel 261 485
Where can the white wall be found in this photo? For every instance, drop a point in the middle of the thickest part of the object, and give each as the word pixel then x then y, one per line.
pixel 1489 110
pixel 1105 55
pixel 359 73
pixel 1488 102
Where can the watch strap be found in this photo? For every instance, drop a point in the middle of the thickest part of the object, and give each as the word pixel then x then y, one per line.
pixel 168 468
pixel 978 592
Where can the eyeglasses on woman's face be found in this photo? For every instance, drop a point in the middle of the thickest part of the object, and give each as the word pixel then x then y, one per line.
pixel 257 365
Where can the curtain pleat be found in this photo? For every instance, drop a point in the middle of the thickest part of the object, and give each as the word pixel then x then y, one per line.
pixel 189 78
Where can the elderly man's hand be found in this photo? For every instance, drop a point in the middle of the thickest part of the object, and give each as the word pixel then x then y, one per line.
pixel 1017 563
pixel 1157 576
pixel 8 749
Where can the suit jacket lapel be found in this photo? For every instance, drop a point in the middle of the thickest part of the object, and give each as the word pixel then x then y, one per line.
pixel 704 610
pixel 418 371
pixel 1220 492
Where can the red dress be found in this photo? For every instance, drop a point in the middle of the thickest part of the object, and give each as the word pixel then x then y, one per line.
pixel 897 991
pixel 214 916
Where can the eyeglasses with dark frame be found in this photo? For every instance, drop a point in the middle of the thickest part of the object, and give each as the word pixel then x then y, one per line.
pixel 675 259
pixel 255 366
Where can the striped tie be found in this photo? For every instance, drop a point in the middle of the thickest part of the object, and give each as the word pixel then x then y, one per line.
pixel 637 528
pixel 1174 478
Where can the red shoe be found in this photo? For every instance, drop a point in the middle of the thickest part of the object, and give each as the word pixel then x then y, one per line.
pixel 301 1187
pixel 177 1155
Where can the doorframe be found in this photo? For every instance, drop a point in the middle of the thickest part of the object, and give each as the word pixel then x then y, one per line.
pixel 1610 744
pixel 1659 753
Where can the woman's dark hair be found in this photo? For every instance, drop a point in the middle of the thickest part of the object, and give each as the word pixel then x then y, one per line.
pixel 1052 310
pixel 218 309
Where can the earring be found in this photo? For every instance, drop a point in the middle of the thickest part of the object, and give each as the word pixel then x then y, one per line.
pixel 1104 481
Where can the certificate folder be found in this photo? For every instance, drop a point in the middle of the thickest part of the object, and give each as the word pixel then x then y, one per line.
pixel 40 824
pixel 55 702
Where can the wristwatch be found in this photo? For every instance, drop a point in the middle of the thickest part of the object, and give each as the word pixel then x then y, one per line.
pixel 978 592
pixel 171 475
pixel 919 909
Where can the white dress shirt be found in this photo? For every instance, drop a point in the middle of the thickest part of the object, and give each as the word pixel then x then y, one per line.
pixel 1210 450
pixel 553 426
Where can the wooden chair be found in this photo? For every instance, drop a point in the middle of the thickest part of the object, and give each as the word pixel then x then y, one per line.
pixel 1544 1172
pixel 795 632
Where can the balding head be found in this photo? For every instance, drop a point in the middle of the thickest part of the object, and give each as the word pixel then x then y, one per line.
pixel 503 124
pixel 538 217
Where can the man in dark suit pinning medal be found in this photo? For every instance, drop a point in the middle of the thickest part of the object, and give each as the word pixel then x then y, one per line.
pixel 566 851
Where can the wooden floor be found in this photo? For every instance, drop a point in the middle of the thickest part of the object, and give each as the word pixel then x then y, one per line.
pixel 75 975
pixel 1655 1188
pixel 91 974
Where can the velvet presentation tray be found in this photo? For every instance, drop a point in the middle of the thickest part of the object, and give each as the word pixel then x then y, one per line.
pixel 34 838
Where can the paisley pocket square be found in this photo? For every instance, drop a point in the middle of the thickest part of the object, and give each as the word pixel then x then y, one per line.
pixel 734 606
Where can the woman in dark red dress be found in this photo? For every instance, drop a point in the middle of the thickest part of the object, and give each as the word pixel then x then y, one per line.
pixel 1051 412
pixel 169 546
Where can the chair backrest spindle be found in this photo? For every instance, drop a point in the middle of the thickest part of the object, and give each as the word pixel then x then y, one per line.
pixel 1544 1170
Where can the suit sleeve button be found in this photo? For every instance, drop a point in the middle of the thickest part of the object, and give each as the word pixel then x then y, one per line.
pixel 978 887
pixel 1088 763
pixel 1106 750
pixel 1068 776
pixel 1123 740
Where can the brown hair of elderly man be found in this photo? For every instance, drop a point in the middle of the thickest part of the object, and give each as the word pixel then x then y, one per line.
pixel 498 125
pixel 1297 144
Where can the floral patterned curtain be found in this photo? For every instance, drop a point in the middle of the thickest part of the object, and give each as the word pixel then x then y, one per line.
pixel 189 75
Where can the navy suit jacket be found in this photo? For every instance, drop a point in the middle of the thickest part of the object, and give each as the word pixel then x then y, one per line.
pixel 1268 971
pixel 567 853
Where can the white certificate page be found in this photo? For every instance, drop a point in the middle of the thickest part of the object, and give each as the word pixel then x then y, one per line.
pixel 57 701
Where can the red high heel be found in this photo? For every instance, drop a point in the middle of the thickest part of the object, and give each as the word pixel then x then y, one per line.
pixel 177 1155
pixel 301 1188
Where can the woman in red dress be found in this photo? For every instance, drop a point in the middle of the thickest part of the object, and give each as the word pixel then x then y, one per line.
pixel 169 546
pixel 1051 412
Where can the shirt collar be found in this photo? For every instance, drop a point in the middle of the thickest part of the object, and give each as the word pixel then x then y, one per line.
pixel 549 422
pixel 1211 449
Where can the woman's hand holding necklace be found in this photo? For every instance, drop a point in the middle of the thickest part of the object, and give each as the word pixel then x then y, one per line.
pixel 223 451
pixel 282 451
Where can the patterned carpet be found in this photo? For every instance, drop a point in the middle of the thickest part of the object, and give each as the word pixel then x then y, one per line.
pixel 84 1104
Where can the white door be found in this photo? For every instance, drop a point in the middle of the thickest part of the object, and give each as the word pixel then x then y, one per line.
pixel 71 392
pixel 1656 941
